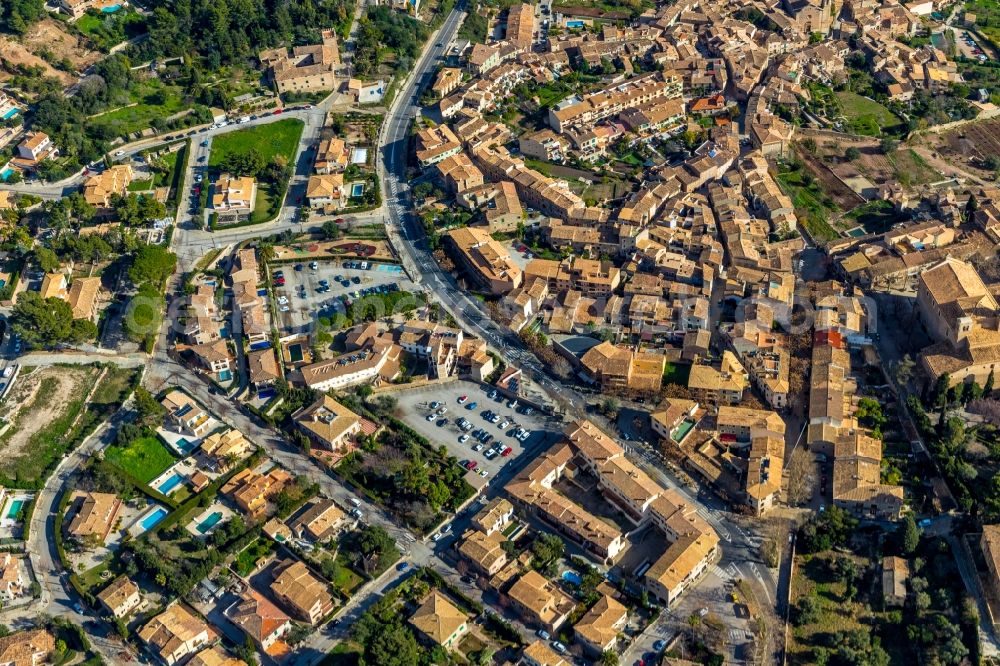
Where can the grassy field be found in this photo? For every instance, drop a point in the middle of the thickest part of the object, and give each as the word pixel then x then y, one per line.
pixel 248 558
pixel 676 373
pixel 812 206
pixel 866 116
pixel 152 101
pixel 49 415
pixel 875 216
pixel 145 458
pixel 277 138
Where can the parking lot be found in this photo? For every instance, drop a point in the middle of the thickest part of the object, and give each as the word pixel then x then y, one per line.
pixel 415 407
pixel 306 296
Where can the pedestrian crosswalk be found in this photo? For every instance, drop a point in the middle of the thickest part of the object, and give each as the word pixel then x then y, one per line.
pixel 739 635
pixel 720 572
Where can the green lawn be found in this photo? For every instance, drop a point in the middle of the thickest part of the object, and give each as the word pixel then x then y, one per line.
pixel 153 100
pixel 812 206
pixel 345 654
pixel 876 216
pixel 251 555
pixel 89 23
pixel 140 185
pixel 866 116
pixel 262 205
pixel 346 581
pixel 277 138
pixel 676 374
pixel 145 458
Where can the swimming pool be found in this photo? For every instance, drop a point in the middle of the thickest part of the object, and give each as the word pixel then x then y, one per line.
pixel 257 346
pixel 5 174
pixel 153 518
pixel 571 577
pixel 389 268
pixel 210 522
pixel 295 352
pixel 574 24
pixel 14 508
pixel 225 375
pixel 10 113
pixel 111 9
pixel 183 445
pixel 171 483
pixel 357 189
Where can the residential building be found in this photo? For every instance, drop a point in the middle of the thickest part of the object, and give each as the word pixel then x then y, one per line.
pixel 624 371
pixel 961 315
pixel 259 619
pixel 331 156
pixel 12 582
pixel 99 189
pixel 215 656
pixel 486 261
pixel 224 448
pixel 434 144
pixel 590 277
pixel 252 490
pixel 304 69
pixel 599 627
pixel 35 147
pixel 540 654
pixel 120 597
pixel 483 551
pixel 329 424
pixel 53 286
pixel 94 515
pixel 439 620
pixel 175 634
pixel 186 415
pixel 319 520
pixel 304 594
pixel 82 297
pixel 326 190
pixel 263 368
pixel 723 386
pixel 539 601
pixel 372 365
pixel 895 573
pixel 494 516
pixel 233 198
pixel 989 543
pixel 30 647
pixel 667 421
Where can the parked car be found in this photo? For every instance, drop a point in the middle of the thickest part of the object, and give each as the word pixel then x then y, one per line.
pixel 462 399
pixel 471 406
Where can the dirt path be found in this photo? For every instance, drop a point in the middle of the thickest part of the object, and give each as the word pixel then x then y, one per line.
pixel 946 168
pixel 29 410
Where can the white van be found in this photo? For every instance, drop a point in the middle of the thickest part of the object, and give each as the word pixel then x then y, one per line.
pixel 355 501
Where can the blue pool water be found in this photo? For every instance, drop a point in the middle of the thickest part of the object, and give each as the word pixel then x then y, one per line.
pixel 357 189
pixel 111 9
pixel 571 577
pixel 225 375
pixel 262 292
pixel 210 522
pixel 171 483
pixel 184 446
pixel 154 518
pixel 10 113
pixel 5 174
pixel 574 24
pixel 263 344
pixel 224 332
pixel 15 508
pixel 266 394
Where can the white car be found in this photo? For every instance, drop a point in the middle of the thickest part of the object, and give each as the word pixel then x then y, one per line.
pixel 483 473
pixel 463 439
pixel 437 537
pixel 284 308
pixel 477 447
pixel 283 300
pixel 119 153
pixel 504 424
pixel 431 417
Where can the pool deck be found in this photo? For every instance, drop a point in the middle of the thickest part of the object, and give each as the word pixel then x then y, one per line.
pixel 216 506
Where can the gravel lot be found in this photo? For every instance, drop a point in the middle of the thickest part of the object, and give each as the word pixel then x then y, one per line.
pixel 414 407
pixel 305 302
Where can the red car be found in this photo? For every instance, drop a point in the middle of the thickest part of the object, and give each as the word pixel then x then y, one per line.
pixel 506 452
pixel 277 111
pixel 280 282
pixel 462 399
pixel 472 464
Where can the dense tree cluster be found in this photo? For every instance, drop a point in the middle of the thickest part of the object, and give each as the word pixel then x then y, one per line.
pixel 47 322
pixel 226 32
pixel 382 28
pixel 17 15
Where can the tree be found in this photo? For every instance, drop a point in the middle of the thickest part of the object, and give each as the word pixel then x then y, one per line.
pixel 988 386
pixel 47 322
pixel 852 154
pixel 547 548
pixel 908 535
pixel 609 658
pixel 247 163
pixel 904 369
pixel 393 645
pixel 807 611
pixel 152 265
pixel 330 230
pixel 46 259
pixel 889 145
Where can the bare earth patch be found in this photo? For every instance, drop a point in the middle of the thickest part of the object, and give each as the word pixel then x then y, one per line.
pixel 38 399
pixel 51 35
